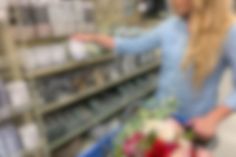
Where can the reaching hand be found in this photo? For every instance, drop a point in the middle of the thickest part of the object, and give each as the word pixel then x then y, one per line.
pixel 102 40
pixel 84 37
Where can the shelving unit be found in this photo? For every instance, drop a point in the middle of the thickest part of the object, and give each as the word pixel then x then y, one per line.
pixel 37 111
pixel 65 102
pixel 60 142
pixel 69 66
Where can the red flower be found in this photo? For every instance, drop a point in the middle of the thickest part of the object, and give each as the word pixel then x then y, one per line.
pixel 161 149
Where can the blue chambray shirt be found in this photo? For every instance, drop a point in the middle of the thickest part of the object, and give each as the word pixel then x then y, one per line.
pixel 171 36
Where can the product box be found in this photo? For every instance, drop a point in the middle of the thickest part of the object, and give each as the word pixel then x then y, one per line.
pixel 11 140
pixel 3 148
pixel 28 60
pixel 19 95
pixel 59 54
pixel 42 25
pixel 61 18
pixel 30 136
pixel 43 57
pixel 4 102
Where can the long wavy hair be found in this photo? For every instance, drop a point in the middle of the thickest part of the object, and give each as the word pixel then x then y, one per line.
pixel 209 23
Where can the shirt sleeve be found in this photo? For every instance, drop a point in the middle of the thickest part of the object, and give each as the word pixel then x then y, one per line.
pixel 231 61
pixel 145 43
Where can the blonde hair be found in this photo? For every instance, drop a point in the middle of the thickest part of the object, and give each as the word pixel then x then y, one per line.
pixel 209 24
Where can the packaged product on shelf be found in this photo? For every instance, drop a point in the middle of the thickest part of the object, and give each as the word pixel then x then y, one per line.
pixel 113 72
pixel 29 134
pixel 64 24
pixel 28 60
pixel 71 149
pixel 56 126
pixel 85 113
pixel 102 129
pixel 79 18
pixel 128 63
pixel 23 28
pixel 69 119
pixel 88 9
pixel 93 49
pixel 84 80
pixel 3 149
pixel 59 53
pixel 11 140
pixel 55 89
pixel 43 56
pixel 77 50
pixel 4 102
pixel 19 95
pixel 99 77
pixel 95 105
pixel 53 129
pixel 42 25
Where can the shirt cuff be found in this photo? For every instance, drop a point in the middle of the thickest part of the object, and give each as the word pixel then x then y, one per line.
pixel 231 101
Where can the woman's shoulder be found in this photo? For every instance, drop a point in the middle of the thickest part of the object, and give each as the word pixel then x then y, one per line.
pixel 168 23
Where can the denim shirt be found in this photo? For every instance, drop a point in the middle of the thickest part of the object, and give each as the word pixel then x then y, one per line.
pixel 171 36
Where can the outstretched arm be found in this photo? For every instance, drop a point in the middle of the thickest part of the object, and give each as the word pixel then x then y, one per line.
pixel 142 44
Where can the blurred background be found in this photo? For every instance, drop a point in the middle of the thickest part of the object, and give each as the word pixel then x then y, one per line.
pixel 57 97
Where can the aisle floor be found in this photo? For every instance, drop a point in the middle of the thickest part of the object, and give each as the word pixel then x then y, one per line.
pixel 227 139
pixel 227 131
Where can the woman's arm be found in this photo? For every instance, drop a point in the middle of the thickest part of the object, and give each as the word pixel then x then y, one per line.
pixel 206 126
pixel 145 43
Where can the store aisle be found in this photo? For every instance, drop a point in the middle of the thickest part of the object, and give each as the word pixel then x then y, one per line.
pixel 227 142
pixel 227 130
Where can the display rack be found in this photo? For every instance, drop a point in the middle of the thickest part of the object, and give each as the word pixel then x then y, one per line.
pixel 37 112
pixel 90 92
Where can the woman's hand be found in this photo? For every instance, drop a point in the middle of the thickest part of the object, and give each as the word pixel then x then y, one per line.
pixel 84 37
pixel 103 40
pixel 205 127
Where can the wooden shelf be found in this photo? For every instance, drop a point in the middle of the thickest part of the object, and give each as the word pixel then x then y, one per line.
pixel 67 101
pixel 65 139
pixel 69 66
pixel 15 114
pixel 43 41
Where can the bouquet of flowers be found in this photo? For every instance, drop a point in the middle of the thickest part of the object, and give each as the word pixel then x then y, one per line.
pixel 151 133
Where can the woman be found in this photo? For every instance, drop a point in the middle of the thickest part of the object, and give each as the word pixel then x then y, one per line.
pixel 197 44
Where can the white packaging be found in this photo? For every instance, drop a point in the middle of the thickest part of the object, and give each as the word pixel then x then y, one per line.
pixel 77 50
pixel 64 24
pixel 43 56
pixel 3 149
pixel 59 54
pixel 11 140
pixel 29 136
pixel 19 95
pixel 28 60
